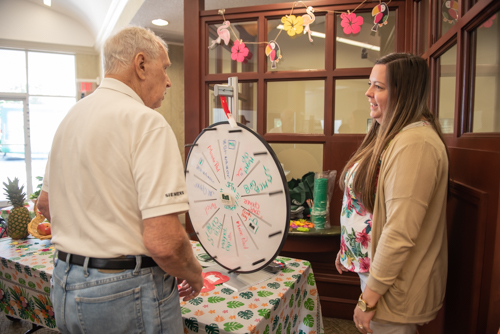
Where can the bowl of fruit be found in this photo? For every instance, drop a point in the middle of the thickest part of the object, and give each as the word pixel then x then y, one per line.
pixel 39 227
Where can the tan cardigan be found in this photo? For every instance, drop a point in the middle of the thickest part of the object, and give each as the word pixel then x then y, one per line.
pixel 409 244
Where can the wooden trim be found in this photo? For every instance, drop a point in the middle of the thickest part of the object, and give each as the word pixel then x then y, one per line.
pixel 478 199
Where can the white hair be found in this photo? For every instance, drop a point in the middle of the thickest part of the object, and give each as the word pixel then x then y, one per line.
pixel 120 49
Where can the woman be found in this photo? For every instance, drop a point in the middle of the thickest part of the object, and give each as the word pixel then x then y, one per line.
pixel 394 210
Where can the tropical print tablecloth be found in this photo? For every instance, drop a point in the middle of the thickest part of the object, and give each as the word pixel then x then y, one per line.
pixel 25 270
pixel 287 303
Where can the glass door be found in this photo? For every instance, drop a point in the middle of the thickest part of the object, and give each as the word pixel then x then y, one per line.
pixel 15 149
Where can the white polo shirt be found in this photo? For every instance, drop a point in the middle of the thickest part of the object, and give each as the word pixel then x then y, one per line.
pixel 113 163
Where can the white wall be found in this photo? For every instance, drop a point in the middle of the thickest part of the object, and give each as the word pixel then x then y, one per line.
pixel 24 21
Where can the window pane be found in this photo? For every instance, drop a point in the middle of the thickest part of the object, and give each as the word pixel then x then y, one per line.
pixel 298 53
pixel 352 110
pixel 299 159
pixel 295 106
pixel 447 81
pixel 12 71
pixel 51 74
pixel 365 47
pixel 12 163
pixel 487 82
pixel 219 55
pixel 448 11
pixel 46 113
pixel 247 108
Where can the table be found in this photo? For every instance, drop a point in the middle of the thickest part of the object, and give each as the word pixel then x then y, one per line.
pixel 25 272
pixel 286 303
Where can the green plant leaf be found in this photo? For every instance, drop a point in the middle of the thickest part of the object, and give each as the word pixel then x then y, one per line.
pixel 310 279
pixel 264 293
pixel 309 304
pixel 273 285
pixel 227 291
pixel 196 301
pixel 212 328
pixel 245 314
pixel 185 310
pixel 232 326
pixel 235 304
pixel 265 313
pixel 192 324
pixel 309 321
pixel 246 295
pixel 215 299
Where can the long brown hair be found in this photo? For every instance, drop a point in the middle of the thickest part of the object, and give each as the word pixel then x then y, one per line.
pixel 408 84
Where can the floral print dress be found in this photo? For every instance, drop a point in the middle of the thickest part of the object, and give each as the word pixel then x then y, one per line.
pixel 356 223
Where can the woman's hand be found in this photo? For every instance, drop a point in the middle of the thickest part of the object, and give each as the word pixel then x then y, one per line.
pixel 362 320
pixel 340 267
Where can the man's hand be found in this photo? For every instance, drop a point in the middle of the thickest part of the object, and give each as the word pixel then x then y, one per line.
pixel 190 291
pixel 169 245
pixel 43 204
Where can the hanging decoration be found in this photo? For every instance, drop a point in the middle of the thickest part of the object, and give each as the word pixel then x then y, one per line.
pixel 381 15
pixel 489 22
pixel 351 23
pixel 274 53
pixel 239 51
pixel 292 24
pixel 450 11
pixel 223 35
pixel 307 20
pixel 297 25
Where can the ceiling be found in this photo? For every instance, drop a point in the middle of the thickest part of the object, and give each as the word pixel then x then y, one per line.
pixel 101 17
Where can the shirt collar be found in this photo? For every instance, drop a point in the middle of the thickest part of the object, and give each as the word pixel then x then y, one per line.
pixel 119 86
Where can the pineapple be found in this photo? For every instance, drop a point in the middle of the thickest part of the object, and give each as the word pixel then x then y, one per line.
pixel 19 217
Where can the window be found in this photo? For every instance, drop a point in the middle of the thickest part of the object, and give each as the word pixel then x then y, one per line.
pixel 447 85
pixel 36 91
pixel 486 114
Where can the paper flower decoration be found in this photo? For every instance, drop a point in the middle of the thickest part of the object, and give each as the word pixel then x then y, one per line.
pixel 380 15
pixel 351 23
pixel 292 25
pixel 489 23
pixel 248 57
pixel 239 51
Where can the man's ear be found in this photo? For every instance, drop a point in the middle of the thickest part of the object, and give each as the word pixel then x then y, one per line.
pixel 140 65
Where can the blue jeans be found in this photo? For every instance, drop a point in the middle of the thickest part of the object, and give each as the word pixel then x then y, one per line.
pixel 132 301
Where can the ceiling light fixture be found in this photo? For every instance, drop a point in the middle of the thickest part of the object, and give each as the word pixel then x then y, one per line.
pixel 342 40
pixel 47 2
pixel 159 22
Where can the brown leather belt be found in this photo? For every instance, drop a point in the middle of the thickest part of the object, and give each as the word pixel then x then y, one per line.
pixel 103 263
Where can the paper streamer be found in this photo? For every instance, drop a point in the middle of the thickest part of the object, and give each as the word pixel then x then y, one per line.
pixel 230 118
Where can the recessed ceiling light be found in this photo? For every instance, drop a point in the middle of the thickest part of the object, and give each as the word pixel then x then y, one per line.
pixel 160 22
pixel 47 2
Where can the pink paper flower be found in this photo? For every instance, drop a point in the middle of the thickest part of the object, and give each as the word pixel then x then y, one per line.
pixel 489 23
pixel 351 23
pixel 239 51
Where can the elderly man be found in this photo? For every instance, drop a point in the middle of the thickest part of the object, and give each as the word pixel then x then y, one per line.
pixel 113 189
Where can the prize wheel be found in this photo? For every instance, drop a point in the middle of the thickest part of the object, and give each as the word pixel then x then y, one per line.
pixel 239 204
